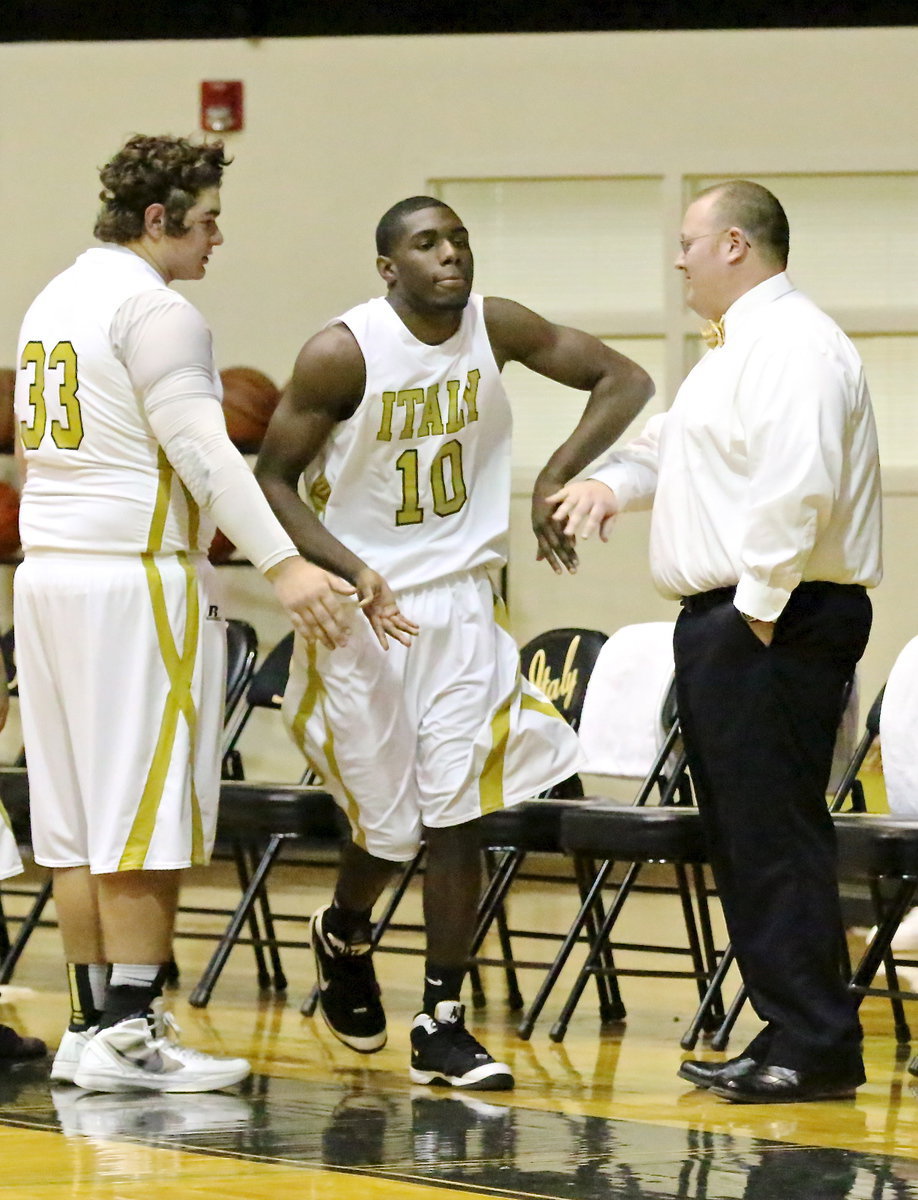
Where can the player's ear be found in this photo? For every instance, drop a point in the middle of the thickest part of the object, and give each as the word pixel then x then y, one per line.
pixel 154 219
pixel 386 267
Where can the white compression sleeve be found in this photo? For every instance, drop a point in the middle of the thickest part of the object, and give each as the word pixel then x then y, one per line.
pixel 165 346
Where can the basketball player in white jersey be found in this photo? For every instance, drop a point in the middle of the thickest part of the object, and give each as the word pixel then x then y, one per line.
pixel 397 414
pixel 119 636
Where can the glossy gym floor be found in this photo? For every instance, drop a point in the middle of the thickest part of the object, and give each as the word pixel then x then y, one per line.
pixel 601 1115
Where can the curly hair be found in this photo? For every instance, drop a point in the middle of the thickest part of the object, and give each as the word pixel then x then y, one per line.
pixel 155 170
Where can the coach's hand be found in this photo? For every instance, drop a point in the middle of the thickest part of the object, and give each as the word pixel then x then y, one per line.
pixel 583 508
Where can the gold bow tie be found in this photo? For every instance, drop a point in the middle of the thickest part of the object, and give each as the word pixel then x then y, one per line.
pixel 713 333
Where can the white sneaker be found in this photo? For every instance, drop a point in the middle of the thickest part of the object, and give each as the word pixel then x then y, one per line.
pixel 69 1052
pixel 144 1052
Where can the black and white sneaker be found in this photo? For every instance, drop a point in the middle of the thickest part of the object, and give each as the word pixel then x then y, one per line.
pixel 443 1051
pixel 348 991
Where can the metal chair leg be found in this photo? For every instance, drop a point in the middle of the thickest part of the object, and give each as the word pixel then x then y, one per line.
pixel 279 980
pixel 244 875
pixel 26 930
pixel 201 993
pixel 722 1035
pixel 559 1029
pixel 526 1026
pixel 702 1013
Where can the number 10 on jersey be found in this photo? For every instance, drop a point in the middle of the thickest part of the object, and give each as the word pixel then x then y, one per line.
pixel 447 499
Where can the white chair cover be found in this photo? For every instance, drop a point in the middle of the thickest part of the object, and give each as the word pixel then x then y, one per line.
pixel 620 727
pixel 899 732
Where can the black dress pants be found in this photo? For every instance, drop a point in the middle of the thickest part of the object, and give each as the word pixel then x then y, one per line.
pixel 760 724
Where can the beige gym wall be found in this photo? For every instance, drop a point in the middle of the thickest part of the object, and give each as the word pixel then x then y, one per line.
pixel 336 130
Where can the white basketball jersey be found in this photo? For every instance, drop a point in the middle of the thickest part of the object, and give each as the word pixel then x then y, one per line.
pixel 418 479
pixel 97 479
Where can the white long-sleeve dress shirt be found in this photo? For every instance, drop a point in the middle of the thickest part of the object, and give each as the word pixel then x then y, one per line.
pixel 765 471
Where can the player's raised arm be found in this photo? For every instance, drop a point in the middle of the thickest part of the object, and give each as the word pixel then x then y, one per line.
pixel 618 390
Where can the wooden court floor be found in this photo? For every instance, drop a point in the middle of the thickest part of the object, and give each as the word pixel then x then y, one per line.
pixel 600 1116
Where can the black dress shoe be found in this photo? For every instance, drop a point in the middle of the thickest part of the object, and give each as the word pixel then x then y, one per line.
pixel 703 1074
pixel 783 1085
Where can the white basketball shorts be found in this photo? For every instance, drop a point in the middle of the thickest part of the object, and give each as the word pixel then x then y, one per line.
pixel 121 665
pixel 436 734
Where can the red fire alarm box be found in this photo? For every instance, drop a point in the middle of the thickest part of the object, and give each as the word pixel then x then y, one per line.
pixel 221 105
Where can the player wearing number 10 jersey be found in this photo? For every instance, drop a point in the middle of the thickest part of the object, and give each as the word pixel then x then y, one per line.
pixel 418 479
pixel 397 416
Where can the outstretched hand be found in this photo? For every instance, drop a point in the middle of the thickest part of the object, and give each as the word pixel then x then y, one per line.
pixel 583 508
pixel 316 601
pixel 382 611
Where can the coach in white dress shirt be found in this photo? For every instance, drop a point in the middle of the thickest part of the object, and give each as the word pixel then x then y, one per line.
pixel 765 486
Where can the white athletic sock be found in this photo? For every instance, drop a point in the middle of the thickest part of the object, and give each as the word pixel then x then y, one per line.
pixel 142 975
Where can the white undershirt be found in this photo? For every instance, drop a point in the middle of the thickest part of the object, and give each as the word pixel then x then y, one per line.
pixel 166 349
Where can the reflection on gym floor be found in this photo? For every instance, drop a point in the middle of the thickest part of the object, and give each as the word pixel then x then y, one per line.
pixel 464 1141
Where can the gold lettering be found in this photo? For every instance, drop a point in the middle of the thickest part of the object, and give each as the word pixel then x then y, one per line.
pixel 385 425
pixel 557 690
pixel 431 421
pixel 470 396
pixel 455 420
pixel 407 398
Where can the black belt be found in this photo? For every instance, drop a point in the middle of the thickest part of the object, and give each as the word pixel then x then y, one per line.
pixel 704 600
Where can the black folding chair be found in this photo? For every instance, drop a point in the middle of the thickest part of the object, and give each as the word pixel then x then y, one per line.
pixel 559 662
pixel 631 836
pixel 256 821
pixel 880 851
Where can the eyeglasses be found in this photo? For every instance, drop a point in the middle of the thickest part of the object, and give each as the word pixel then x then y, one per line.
pixel 687 243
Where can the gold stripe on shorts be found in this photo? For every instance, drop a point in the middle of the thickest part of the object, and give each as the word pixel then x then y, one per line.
pixel 543 706
pixel 501 616
pixel 491 782
pixel 352 811
pixel 5 818
pixel 180 670
pixel 313 693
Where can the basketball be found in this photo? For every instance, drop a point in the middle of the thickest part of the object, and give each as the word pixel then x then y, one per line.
pixel 9 520
pixel 249 399
pixel 221 549
pixel 7 421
